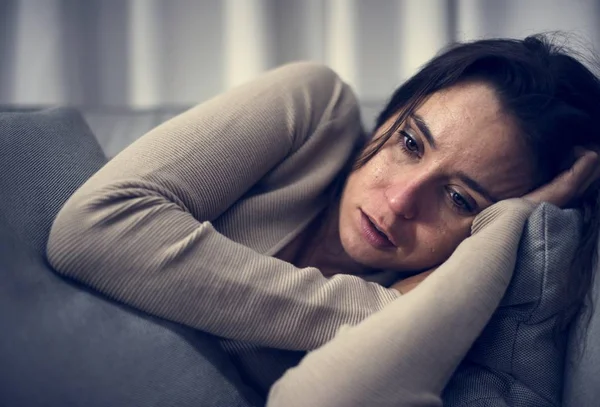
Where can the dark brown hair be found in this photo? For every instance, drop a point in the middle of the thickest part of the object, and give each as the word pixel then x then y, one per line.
pixel 555 100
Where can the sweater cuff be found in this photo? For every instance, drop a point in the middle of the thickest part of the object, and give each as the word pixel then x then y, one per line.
pixel 516 208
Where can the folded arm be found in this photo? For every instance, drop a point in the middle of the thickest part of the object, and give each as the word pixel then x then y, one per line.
pixel 141 229
pixel 405 354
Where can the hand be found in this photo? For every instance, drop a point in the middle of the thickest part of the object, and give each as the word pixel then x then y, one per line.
pixel 408 284
pixel 572 183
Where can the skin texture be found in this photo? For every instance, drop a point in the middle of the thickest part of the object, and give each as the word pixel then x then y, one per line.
pixel 565 187
pixel 414 191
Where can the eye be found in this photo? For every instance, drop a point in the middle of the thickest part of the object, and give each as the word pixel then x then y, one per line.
pixel 461 203
pixel 409 143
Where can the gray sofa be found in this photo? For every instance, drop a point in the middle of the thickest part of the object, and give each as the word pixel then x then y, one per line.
pixel 63 345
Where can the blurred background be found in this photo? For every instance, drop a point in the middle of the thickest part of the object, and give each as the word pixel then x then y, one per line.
pixel 150 56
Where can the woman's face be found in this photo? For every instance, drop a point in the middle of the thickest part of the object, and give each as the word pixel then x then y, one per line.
pixel 456 155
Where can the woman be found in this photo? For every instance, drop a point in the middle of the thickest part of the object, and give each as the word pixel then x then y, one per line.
pixel 259 217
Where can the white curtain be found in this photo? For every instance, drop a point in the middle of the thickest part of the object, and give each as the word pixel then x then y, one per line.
pixel 149 53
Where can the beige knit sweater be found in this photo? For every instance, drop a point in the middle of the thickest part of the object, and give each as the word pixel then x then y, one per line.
pixel 183 224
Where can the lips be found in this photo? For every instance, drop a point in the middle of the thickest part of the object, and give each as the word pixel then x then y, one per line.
pixel 374 234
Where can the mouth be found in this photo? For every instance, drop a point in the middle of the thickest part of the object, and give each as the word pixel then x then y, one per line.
pixel 374 234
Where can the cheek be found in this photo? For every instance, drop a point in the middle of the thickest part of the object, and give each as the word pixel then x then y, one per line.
pixel 372 175
pixel 374 170
pixel 437 242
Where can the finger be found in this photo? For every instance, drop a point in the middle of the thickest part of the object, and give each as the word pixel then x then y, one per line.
pixel 567 185
pixel 561 185
pixel 578 178
pixel 593 177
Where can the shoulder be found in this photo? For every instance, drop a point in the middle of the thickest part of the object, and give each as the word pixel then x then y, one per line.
pixel 307 73
pixel 326 101
pixel 316 81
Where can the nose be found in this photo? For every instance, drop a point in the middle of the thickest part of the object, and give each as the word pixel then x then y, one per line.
pixel 403 195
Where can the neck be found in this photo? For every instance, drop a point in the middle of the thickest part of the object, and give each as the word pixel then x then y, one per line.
pixel 324 249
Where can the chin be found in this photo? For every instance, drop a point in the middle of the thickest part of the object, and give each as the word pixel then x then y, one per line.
pixel 367 256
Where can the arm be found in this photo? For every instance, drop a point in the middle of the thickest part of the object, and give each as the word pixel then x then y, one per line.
pixel 406 353
pixel 140 229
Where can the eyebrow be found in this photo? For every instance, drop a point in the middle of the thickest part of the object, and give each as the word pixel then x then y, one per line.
pixel 471 183
pixel 475 186
pixel 424 129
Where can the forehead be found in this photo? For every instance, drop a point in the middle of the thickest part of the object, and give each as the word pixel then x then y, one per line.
pixel 475 136
pixel 469 112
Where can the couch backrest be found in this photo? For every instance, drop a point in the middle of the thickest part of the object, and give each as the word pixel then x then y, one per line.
pixel 61 344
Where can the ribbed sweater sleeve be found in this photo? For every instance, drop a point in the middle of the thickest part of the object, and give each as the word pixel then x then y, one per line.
pixel 141 229
pixel 405 354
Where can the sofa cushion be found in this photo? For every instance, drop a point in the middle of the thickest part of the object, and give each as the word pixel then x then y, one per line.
pixel 44 156
pixel 62 345
pixel 519 360
pixel 582 370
